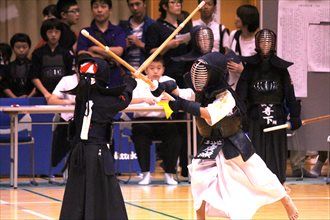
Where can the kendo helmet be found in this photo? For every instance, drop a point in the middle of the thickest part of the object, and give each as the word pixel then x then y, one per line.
pixel 95 68
pixel 202 39
pixel 209 72
pixel 202 43
pixel 265 41
pixel 96 72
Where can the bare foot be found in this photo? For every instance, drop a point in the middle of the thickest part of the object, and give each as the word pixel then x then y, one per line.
pixel 290 208
pixel 200 213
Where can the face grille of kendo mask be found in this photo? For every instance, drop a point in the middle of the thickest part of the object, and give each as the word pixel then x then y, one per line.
pixel 204 40
pixel 199 74
pixel 265 41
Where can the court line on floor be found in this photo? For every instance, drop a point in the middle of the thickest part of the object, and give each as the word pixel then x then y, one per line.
pixel 2 202
pixel 128 203
pixel 22 203
pixel 36 214
pixel 158 200
pixel 43 195
pixel 154 211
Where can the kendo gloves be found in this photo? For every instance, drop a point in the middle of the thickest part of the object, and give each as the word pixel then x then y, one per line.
pixel 295 109
pixel 167 86
pixel 185 105
pixel 179 103
pixel 130 84
pixel 295 123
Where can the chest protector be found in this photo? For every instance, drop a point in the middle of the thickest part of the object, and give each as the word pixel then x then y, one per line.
pixel 19 77
pixel 227 126
pixel 266 86
pixel 226 135
pixel 53 69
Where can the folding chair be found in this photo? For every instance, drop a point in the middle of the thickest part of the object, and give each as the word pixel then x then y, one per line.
pixel 51 177
pixel 24 132
pixel 125 132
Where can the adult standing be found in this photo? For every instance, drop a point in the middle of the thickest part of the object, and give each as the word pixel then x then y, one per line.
pixel 220 32
pixel 157 33
pixel 136 29
pixel 110 35
pixel 242 40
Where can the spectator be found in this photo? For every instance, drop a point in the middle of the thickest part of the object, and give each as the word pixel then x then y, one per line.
pixel 49 11
pixel 136 28
pixel 16 83
pixel 68 13
pixel 297 162
pixel 50 62
pixel 5 55
pixel 157 33
pixel 161 30
pixel 220 32
pixel 184 14
pixel 242 40
pixel 266 88
pixel 110 35
pixel 322 158
pixel 297 157
pixel 144 133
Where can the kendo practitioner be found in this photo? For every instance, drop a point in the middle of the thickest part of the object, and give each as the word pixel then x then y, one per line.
pixel 227 178
pixel 92 190
pixel 267 90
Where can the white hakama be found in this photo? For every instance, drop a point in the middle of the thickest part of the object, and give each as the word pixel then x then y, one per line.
pixel 226 185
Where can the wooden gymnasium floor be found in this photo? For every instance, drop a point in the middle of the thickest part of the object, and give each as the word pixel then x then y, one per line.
pixel 156 201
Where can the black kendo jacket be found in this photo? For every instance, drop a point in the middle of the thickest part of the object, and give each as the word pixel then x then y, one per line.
pixel 98 101
pixel 106 104
pixel 267 81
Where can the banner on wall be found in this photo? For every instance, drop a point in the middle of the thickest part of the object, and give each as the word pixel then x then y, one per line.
pixel 318 53
pixel 296 31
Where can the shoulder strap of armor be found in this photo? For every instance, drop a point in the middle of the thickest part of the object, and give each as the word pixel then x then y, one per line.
pixel 222 32
pixel 238 46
